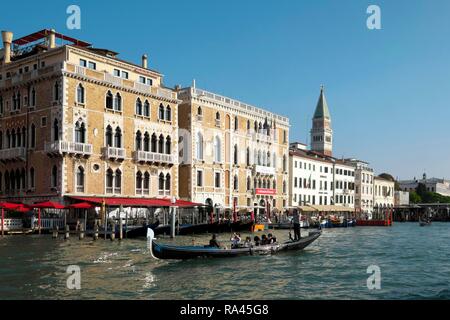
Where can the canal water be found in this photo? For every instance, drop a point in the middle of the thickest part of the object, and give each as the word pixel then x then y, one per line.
pixel 414 263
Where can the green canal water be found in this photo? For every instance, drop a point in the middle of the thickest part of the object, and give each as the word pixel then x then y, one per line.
pixel 414 263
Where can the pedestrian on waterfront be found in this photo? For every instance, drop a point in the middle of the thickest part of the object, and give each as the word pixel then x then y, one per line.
pixel 296 221
pixel 257 241
pixel 213 242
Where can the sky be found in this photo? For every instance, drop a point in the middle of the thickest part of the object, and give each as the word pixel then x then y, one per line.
pixel 388 90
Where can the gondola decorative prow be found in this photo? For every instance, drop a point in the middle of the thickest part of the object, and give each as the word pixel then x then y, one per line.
pixel 150 238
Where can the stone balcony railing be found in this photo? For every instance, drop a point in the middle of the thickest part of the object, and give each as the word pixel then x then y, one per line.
pixel 146 156
pixel 69 147
pixel 13 154
pixel 114 153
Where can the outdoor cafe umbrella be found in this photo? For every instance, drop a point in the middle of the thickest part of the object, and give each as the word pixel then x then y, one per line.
pixel 7 206
pixel 82 205
pixel 46 205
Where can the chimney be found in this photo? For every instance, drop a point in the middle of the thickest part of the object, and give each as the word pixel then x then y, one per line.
pixel 7 37
pixel 51 39
pixel 144 61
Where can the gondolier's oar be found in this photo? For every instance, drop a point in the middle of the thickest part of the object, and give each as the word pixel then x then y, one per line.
pixel 150 237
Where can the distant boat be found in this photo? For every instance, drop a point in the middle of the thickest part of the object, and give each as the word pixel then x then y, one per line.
pixel 163 251
pixel 424 223
pixel 338 224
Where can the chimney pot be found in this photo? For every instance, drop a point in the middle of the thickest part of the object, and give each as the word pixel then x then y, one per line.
pixel 144 61
pixel 51 39
pixel 7 37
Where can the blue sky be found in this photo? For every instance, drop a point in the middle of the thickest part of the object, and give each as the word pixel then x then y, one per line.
pixel 388 90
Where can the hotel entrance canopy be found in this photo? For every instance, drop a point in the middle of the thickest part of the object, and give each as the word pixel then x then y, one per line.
pixel 137 202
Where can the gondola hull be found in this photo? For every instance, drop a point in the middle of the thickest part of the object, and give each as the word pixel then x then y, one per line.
pixel 161 251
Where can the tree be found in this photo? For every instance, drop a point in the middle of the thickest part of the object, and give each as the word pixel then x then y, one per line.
pixel 414 197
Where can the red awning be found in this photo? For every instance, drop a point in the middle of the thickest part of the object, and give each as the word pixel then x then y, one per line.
pixel 43 33
pixel 136 202
pixel 10 205
pixel 48 205
pixel 81 205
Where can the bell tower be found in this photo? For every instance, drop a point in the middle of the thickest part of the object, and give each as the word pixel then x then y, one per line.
pixel 321 132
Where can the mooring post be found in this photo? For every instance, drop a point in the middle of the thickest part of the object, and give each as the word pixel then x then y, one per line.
pixel 172 222
pixel 120 229
pixel 81 236
pixel 66 234
pixel 96 230
pixel 113 230
pixel 55 231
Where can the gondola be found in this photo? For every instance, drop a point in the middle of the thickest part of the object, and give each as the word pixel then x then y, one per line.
pixel 136 231
pixel 163 251
pixel 424 223
pixel 216 227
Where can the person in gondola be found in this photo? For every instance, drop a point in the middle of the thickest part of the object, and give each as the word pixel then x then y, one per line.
pixel 213 243
pixel 248 242
pixel 264 240
pixel 257 241
pixel 296 221
pixel 235 240
pixel 271 239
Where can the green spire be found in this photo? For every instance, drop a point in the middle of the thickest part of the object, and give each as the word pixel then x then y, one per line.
pixel 322 107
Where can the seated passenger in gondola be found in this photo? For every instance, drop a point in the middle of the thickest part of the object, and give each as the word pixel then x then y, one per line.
pixel 264 240
pixel 257 241
pixel 248 242
pixel 213 243
pixel 235 240
pixel 271 239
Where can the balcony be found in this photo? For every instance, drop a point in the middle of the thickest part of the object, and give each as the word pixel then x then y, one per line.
pixel 68 147
pixel 13 154
pixel 113 153
pixel 264 170
pixel 149 157
pixel 263 137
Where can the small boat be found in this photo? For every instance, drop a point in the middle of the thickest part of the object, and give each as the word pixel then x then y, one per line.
pixel 136 231
pixel 424 223
pixel 163 251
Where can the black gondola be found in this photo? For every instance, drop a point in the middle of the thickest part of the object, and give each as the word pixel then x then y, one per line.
pixel 162 251
pixel 136 231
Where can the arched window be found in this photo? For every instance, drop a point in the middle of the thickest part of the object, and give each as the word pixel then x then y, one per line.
pixel 199 146
pixel 168 183
pixel 13 138
pixel 118 181
pixel 274 160
pixel 248 125
pixel 109 181
pixel 33 96
pixel 7 182
pixel 217 116
pixel 161 182
pixel 12 180
pixel 168 145
pixel 259 183
pixel 146 182
pixel 55 130
pixel 274 184
pixel 1 140
pixel 154 143
pixel 33 136
pixel 55 93
pixel 23 179
pixel 168 113
pixel 138 140
pixel 118 102
pixel 235 183
pixel 199 111
pixel 109 100
pixel 109 136
pixel 54 176
pixel 264 158
pixel 24 137
pixel 284 186
pixel 146 108
pixel 268 159
pixel 80 132
pixel 161 112
pixel 236 123
pixel 138 106
pixel 80 179
pixel 217 149
pixel 118 138
pixel 19 138
pixel 138 182
pixel 264 184
pixel 32 178
pixel 249 183
pixel 247 156
pixel 161 144
pixel 259 158
pixel 80 94
pixel 284 163
pixel 18 179
pixel 235 157
pixel 146 142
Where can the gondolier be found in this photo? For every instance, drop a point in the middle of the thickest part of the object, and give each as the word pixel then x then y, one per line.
pixel 296 221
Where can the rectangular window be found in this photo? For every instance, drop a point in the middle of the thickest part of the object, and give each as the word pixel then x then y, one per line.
pixel 83 63
pixel 92 65
pixel 149 82
pixel 142 79
pixel 199 178
pixel 124 74
pixel 43 121
pixel 116 72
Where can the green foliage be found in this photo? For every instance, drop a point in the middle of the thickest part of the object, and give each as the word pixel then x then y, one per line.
pixel 414 197
pixel 427 196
